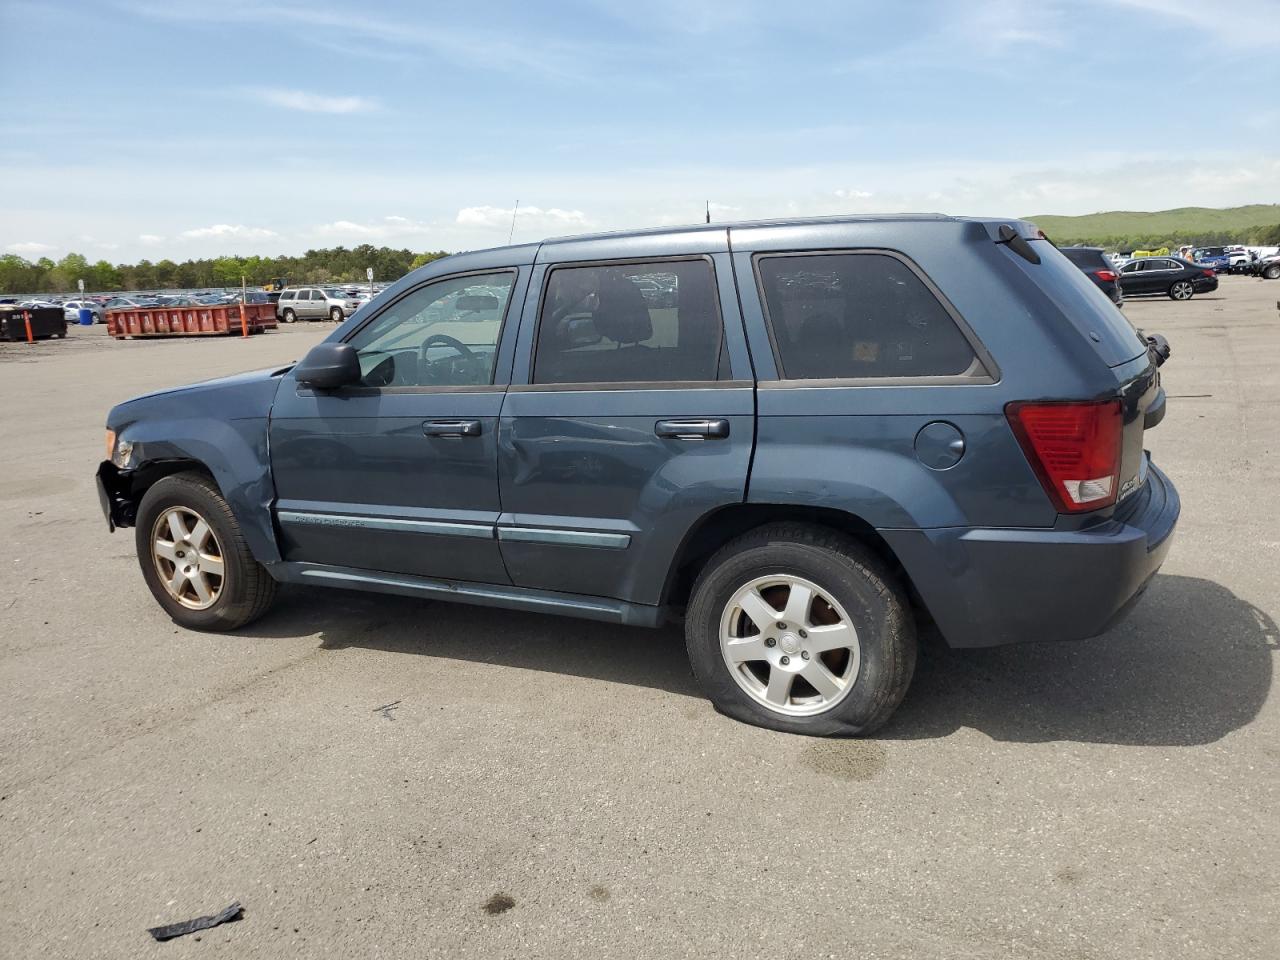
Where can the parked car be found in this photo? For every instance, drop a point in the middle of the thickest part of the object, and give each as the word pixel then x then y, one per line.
pixel 1216 258
pixel 1240 260
pixel 129 303
pixel 72 310
pixel 1097 267
pixel 1169 276
pixel 795 467
pixel 315 303
pixel 1266 267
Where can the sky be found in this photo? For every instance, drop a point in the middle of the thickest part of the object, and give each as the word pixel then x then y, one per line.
pixel 172 128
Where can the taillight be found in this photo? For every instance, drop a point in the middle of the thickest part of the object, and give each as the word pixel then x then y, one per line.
pixel 1108 276
pixel 1074 449
pixel 1209 273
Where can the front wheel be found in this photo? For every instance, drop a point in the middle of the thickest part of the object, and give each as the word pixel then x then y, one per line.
pixel 1272 272
pixel 336 314
pixel 1182 290
pixel 194 557
pixel 289 316
pixel 801 629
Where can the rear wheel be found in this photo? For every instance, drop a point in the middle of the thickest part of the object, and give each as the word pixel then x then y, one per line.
pixel 336 314
pixel 1272 272
pixel 194 557
pixel 801 629
pixel 289 316
pixel 1182 290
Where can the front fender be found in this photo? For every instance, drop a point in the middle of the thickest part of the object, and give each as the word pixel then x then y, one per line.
pixel 234 451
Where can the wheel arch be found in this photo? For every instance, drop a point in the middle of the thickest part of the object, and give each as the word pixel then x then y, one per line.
pixel 720 526
pixel 241 478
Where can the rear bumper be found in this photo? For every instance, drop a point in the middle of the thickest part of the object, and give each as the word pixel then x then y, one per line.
pixel 1205 284
pixel 990 587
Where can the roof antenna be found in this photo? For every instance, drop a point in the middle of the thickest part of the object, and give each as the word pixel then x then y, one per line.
pixel 708 211
pixel 513 223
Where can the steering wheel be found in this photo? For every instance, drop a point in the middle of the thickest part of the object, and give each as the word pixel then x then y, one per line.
pixel 444 340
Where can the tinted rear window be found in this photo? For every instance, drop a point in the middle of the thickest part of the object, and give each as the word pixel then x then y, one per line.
pixel 856 315
pixel 1089 309
pixel 1084 257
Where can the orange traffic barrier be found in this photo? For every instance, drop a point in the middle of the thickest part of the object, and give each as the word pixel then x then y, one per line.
pixel 26 316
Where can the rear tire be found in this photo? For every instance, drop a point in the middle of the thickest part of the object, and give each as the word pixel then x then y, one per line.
pixel 1272 272
pixel 1182 290
pixel 336 315
pixel 288 316
pixel 194 557
pixel 815 581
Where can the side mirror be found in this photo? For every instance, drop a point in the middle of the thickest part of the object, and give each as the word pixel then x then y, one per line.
pixel 329 365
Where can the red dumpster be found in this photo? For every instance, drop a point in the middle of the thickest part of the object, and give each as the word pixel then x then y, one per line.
pixel 201 321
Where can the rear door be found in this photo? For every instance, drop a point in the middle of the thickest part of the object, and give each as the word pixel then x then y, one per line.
pixel 1139 276
pixel 626 422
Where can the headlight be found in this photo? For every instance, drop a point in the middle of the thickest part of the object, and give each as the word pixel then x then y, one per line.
pixel 122 455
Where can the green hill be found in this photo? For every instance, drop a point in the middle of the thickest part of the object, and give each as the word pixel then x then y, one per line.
pixel 1125 229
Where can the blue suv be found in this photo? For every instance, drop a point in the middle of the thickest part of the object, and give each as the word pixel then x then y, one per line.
pixel 822 434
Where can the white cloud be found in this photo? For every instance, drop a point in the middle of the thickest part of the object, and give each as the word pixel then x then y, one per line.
pixel 1257 29
pixel 854 194
pixel 532 217
pixel 226 230
pixel 29 246
pixel 150 239
pixel 386 229
pixel 314 102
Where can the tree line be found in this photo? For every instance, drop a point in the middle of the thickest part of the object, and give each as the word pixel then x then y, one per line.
pixel 1250 236
pixel 18 275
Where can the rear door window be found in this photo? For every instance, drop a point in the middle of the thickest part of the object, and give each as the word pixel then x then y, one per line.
pixel 652 322
pixel 859 315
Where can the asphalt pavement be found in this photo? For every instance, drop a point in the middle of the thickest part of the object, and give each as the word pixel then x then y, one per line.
pixel 381 777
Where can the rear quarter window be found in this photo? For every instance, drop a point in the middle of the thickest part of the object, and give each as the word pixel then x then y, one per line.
pixel 1086 308
pixel 859 315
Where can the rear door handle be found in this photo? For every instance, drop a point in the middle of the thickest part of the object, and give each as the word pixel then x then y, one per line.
pixel 692 429
pixel 451 428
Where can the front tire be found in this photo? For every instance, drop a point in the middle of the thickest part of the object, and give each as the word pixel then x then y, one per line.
pixel 195 559
pixel 1272 272
pixel 1182 290
pixel 801 629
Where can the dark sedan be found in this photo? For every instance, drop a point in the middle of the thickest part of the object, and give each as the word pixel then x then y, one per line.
pixel 1170 276
pixel 1095 265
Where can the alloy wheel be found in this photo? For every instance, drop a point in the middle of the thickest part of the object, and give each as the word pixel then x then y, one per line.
pixel 1181 290
pixel 188 558
pixel 789 645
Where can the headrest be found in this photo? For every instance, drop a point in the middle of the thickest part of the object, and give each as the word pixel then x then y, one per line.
pixel 621 313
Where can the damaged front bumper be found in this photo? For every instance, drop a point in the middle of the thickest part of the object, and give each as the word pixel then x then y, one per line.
pixel 115 488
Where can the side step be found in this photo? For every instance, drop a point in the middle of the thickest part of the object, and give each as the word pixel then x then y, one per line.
pixel 483 594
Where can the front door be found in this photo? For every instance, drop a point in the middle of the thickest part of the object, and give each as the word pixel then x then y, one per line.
pixel 630 418
pixel 399 472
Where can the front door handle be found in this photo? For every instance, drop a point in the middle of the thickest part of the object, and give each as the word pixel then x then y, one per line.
pixel 451 428
pixel 692 429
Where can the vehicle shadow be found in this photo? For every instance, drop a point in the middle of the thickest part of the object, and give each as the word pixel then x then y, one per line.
pixel 1192 664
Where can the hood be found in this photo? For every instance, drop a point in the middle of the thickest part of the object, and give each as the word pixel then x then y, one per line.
pixel 238 397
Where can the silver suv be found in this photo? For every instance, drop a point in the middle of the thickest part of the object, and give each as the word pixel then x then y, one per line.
pixel 315 303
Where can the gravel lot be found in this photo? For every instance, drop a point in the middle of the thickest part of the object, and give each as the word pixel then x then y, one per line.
pixel 1112 798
